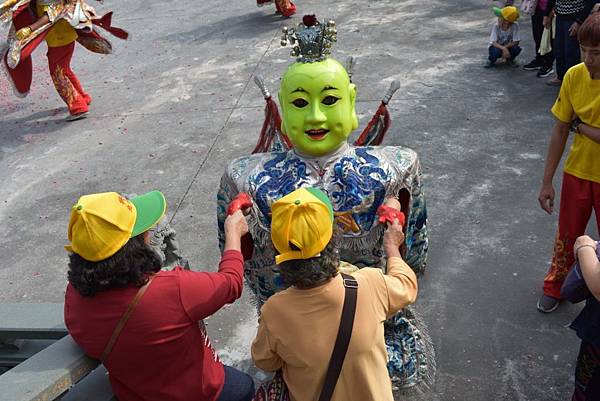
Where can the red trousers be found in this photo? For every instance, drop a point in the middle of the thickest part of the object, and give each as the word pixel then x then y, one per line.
pixel 577 199
pixel 66 83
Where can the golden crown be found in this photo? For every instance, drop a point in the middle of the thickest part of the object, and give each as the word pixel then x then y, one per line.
pixel 311 40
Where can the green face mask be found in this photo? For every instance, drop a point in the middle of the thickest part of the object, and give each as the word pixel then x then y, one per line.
pixel 317 101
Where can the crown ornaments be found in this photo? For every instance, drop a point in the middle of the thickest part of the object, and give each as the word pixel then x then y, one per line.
pixel 311 40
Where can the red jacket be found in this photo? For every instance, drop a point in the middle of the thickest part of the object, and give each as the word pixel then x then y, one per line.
pixel 163 352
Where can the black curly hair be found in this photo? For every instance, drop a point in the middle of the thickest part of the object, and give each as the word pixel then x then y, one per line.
pixel 132 264
pixel 306 273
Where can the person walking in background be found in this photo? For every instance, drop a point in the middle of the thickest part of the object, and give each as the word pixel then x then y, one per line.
pixel 542 63
pixel 504 36
pixel 570 14
pixel 60 23
pixel 284 7
pixel 576 108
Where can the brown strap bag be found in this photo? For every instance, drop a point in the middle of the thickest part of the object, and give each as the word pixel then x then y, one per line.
pixel 124 318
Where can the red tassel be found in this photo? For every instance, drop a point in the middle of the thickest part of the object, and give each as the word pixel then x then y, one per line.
pixel 270 129
pixel 376 129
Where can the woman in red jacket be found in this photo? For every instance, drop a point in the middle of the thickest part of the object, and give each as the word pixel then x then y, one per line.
pixel 145 324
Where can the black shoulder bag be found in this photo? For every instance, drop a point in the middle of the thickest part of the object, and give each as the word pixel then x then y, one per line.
pixel 343 337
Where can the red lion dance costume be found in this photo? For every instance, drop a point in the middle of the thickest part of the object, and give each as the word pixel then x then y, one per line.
pixel 61 23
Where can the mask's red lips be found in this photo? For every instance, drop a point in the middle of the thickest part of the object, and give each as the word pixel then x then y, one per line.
pixel 316 134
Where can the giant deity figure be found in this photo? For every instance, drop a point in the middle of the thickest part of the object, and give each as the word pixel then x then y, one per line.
pixel 309 147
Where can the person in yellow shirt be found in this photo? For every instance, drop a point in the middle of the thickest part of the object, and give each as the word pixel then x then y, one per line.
pixel 298 326
pixel 60 39
pixel 576 108
pixel 61 23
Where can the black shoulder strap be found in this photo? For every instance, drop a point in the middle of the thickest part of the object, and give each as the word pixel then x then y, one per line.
pixel 343 337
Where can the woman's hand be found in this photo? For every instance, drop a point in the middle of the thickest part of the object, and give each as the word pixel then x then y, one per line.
pixel 584 241
pixel 573 29
pixel 235 227
pixel 393 239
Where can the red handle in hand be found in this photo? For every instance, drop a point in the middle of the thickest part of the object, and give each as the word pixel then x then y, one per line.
pixel 240 202
pixel 388 214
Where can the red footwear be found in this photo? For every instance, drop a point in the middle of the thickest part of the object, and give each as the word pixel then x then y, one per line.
pixel 289 11
pixel 78 106
pixel 88 99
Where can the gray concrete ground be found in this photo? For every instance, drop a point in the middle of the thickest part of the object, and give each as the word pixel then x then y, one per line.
pixel 175 103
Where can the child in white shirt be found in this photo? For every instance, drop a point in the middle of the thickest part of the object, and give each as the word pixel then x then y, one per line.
pixel 504 38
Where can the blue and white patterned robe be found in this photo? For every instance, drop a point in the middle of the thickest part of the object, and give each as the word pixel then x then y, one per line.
pixel 357 181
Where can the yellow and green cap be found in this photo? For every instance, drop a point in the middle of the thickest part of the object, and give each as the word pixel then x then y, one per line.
pixel 509 13
pixel 101 224
pixel 303 218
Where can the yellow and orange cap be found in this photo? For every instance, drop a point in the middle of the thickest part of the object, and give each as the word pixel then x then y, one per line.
pixel 303 218
pixel 509 13
pixel 100 224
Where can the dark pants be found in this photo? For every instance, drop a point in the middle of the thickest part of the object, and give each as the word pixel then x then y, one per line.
pixel 496 53
pixel 566 47
pixel 238 386
pixel 587 373
pixel 537 29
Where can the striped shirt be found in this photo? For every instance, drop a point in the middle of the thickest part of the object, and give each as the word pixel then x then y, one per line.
pixel 564 7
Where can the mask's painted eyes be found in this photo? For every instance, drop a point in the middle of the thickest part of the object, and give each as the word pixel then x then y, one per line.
pixel 329 100
pixel 300 103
